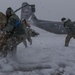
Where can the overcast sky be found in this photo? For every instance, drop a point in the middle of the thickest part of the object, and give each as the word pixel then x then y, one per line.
pixel 52 10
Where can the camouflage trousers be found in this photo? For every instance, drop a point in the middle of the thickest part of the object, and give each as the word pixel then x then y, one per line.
pixel 28 37
pixel 68 38
pixel 11 44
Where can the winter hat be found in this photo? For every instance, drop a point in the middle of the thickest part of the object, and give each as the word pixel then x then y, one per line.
pixel 63 19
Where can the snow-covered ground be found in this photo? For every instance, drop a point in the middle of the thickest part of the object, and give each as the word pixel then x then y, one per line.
pixel 47 51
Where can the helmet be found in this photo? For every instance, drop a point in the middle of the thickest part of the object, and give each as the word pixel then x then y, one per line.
pixel 9 11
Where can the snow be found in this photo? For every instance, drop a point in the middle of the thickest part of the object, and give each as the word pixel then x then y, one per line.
pixel 47 50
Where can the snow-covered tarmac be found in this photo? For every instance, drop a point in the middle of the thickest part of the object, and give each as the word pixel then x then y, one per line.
pixel 47 50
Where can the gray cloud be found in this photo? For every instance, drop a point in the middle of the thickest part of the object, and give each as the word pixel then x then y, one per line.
pixel 45 9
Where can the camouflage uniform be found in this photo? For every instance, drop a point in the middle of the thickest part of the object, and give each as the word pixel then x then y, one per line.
pixel 70 28
pixel 16 31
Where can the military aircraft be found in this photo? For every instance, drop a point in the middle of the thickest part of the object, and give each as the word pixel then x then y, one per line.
pixel 28 12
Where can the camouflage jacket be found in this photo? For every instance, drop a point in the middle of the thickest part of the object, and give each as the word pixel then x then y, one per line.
pixel 69 26
pixel 15 26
